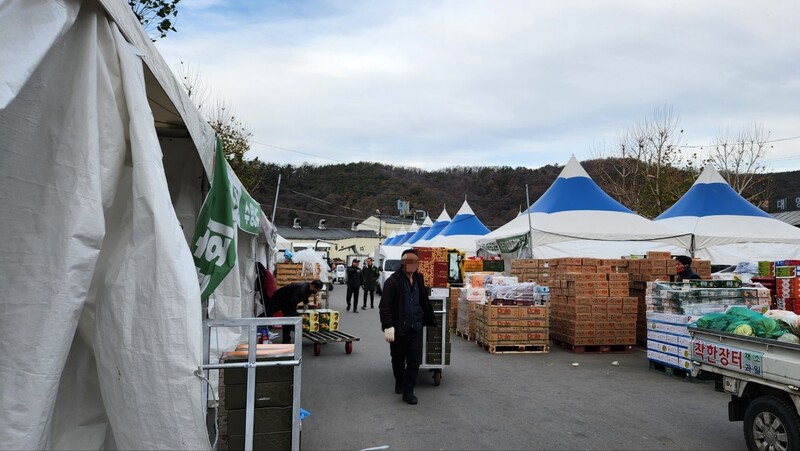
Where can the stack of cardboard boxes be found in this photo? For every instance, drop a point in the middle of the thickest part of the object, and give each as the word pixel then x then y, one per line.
pixel 671 306
pixel 787 283
pixel 655 266
pixel 502 328
pixel 531 270
pixel 286 273
pixel 590 302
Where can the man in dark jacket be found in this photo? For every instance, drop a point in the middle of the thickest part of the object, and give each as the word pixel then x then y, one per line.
pixel 353 275
pixel 405 309
pixel 369 280
pixel 285 300
pixel 683 266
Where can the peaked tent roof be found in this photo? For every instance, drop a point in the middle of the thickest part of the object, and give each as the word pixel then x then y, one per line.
pixel 461 232
pixel 400 234
pixel 575 217
pixel 426 225
pixel 411 231
pixel 726 227
pixel 441 222
pixel 389 239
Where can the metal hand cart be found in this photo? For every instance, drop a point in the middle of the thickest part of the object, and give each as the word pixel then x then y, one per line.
pixel 332 336
pixel 252 325
pixel 436 365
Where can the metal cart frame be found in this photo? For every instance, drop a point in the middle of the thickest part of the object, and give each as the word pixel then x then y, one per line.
pixel 441 319
pixel 252 325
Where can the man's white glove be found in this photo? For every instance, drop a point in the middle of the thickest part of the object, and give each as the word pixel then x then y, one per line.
pixel 389 334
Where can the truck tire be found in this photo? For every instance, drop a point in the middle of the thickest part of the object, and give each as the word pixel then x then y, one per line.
pixel 771 423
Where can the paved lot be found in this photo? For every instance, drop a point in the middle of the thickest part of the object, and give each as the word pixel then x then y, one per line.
pixel 509 401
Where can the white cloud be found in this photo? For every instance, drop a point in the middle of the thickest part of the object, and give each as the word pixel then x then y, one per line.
pixel 516 83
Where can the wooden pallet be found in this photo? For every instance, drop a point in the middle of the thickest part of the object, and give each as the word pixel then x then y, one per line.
pixel 466 336
pixel 595 349
pixel 515 348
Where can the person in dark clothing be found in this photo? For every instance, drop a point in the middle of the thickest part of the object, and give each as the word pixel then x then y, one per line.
pixel 353 275
pixel 285 300
pixel 405 309
pixel 369 280
pixel 683 267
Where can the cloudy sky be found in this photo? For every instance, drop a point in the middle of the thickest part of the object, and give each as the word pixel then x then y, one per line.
pixel 433 84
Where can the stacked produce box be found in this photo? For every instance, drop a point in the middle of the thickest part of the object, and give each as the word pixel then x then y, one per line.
pixel 787 283
pixel 532 270
pixel 590 303
pixel 503 328
pixel 469 301
pixel 272 422
pixel 436 337
pixel 452 309
pixel 433 265
pixel 655 266
pixel 320 320
pixel 671 306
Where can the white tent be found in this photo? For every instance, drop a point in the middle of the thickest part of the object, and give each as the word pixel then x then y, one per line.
pixel 423 229
pixel 392 241
pixel 441 222
pixel 407 236
pixel 104 163
pixel 392 237
pixel 727 228
pixel 574 217
pixel 460 233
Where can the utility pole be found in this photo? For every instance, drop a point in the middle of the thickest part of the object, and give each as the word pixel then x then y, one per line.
pixel 275 204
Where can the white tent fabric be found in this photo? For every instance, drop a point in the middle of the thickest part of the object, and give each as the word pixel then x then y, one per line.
pixel 574 217
pixel 398 237
pixel 460 233
pixel 411 231
pixel 727 228
pixel 100 315
pixel 441 222
pixel 423 229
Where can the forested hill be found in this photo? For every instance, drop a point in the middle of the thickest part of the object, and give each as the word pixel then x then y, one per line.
pixel 344 193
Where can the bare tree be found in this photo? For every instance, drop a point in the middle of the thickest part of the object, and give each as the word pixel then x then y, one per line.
pixel 648 170
pixel 192 82
pixel 740 160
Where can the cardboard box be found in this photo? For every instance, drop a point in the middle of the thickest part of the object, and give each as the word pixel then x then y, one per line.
pixel 328 319
pixel 310 320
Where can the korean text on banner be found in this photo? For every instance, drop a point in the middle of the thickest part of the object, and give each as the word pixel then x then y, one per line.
pixel 215 235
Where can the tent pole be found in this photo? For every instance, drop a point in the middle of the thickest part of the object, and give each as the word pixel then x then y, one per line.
pixel 530 227
pixel 275 204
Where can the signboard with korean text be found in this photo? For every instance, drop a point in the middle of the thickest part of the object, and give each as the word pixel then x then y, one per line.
pixel 728 357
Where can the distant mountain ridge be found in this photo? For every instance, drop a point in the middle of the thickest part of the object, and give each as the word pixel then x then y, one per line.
pixel 346 193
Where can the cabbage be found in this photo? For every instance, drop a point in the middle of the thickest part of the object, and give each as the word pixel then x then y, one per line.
pixel 744 329
pixel 789 338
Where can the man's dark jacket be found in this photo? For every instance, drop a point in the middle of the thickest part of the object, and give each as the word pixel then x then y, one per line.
pixel 369 277
pixel 286 299
pixel 392 309
pixel 688 274
pixel 353 276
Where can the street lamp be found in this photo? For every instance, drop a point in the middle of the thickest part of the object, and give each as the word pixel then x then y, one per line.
pixel 380 223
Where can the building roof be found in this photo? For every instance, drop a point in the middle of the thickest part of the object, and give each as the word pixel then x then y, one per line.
pixel 314 233
pixel 789 217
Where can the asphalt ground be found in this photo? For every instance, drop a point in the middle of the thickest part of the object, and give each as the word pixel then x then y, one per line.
pixel 503 401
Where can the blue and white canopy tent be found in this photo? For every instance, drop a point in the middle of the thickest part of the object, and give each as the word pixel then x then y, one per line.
pixel 411 231
pixel 441 222
pixel 398 237
pixel 426 225
pixel 392 237
pixel 574 217
pixel 727 229
pixel 460 233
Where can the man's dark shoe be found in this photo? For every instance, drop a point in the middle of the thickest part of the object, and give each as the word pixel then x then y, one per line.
pixel 355 310
pixel 410 399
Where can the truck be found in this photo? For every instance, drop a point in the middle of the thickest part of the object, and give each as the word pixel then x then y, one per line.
pixel 387 259
pixel 762 376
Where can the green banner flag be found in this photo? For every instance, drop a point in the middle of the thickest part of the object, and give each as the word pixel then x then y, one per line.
pixel 246 211
pixel 215 234
pixel 506 245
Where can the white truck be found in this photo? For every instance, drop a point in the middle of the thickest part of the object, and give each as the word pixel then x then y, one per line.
pixel 387 259
pixel 763 378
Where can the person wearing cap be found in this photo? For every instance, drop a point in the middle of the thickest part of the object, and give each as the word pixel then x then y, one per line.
pixel 683 267
pixel 404 310
pixel 369 281
pixel 353 275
